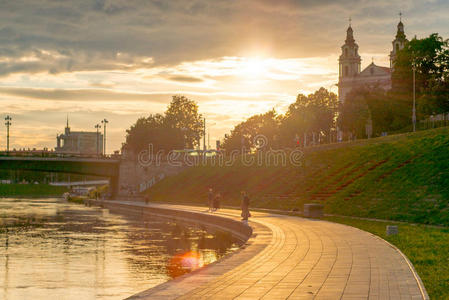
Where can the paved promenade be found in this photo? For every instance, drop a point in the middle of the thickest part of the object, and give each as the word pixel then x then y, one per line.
pixel 295 258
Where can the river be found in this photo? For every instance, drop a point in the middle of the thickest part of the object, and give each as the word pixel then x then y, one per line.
pixel 52 249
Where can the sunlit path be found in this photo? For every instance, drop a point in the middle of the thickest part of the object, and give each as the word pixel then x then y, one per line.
pixel 295 258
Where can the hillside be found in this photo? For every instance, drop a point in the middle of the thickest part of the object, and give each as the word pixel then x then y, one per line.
pixel 402 177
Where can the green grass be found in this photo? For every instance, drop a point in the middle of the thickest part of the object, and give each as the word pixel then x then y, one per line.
pixel 426 247
pixel 30 190
pixel 403 177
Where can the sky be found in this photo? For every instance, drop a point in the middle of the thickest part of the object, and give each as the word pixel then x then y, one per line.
pixel 125 59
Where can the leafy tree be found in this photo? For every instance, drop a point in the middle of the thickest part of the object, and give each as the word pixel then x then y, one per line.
pixel 244 134
pixel 181 126
pixel 182 113
pixel 354 113
pixel 314 113
pixel 430 57
pixel 153 130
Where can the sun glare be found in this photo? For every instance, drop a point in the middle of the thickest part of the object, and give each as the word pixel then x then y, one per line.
pixel 254 67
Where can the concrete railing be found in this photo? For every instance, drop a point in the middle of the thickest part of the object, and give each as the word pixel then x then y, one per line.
pixel 237 228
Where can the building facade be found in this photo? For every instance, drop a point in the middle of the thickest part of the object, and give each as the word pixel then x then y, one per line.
pixel 79 142
pixel 350 74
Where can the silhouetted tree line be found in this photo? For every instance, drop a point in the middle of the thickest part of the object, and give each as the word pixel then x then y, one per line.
pixel 310 119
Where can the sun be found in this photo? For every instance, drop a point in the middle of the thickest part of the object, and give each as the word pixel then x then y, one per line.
pixel 254 67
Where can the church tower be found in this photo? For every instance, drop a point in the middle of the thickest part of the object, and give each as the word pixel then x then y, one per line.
pixel 349 64
pixel 399 42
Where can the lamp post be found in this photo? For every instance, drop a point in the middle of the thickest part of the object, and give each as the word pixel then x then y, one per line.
pixel 208 135
pixel 104 121
pixel 7 123
pixel 98 126
pixel 335 117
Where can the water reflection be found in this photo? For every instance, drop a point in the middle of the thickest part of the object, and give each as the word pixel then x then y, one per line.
pixel 48 247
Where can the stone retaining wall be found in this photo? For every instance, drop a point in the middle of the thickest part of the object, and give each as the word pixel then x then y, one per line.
pixel 238 229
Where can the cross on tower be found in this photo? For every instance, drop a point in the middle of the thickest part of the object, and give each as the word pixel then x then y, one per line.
pixel 400 16
pixel 350 19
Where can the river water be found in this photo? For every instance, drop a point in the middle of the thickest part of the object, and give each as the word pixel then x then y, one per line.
pixel 51 249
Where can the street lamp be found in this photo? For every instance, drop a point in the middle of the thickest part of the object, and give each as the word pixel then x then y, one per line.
pixel 208 134
pixel 7 123
pixel 98 126
pixel 335 119
pixel 204 135
pixel 104 121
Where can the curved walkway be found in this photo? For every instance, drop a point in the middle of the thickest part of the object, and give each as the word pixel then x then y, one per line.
pixel 296 258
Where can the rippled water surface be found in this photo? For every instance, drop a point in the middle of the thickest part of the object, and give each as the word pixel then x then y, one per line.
pixel 51 249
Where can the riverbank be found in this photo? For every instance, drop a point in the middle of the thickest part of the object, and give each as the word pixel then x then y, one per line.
pixel 295 257
pixel 424 245
pixel 31 190
pixel 240 230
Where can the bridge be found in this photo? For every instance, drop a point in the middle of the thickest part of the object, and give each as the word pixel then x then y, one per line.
pixel 102 167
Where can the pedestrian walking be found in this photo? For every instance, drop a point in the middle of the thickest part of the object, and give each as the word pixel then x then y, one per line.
pixel 245 207
pixel 217 201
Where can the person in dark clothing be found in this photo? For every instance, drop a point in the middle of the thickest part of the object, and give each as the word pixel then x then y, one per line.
pixel 245 207
pixel 210 197
pixel 217 201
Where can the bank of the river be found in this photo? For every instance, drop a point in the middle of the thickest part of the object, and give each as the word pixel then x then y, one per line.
pixel 297 257
pixel 425 246
pixel 31 190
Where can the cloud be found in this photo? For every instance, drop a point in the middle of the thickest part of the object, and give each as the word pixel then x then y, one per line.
pixel 102 84
pixel 183 78
pixel 68 36
pixel 83 95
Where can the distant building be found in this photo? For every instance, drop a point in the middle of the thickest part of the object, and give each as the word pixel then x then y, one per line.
pixel 79 142
pixel 350 74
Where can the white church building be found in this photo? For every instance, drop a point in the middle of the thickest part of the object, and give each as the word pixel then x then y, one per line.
pixel 350 74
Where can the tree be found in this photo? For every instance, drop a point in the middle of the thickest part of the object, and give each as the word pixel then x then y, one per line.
pixel 153 130
pixel 243 135
pixel 354 113
pixel 182 113
pixel 181 126
pixel 314 113
pixel 430 57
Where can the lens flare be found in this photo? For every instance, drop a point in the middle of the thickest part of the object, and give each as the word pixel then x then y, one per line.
pixel 183 263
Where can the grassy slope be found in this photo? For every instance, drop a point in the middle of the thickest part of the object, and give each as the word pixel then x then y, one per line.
pixel 402 177
pixel 30 190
